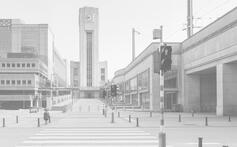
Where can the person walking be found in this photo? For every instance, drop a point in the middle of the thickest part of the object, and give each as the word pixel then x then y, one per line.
pixel 46 116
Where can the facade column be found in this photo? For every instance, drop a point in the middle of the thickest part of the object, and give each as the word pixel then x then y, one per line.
pixel 219 90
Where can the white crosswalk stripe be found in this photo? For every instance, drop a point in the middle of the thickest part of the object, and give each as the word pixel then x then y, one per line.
pixel 91 137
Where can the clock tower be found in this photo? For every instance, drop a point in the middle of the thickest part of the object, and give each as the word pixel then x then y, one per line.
pixel 88 44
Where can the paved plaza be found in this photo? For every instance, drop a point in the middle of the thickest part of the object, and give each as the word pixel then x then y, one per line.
pixel 86 126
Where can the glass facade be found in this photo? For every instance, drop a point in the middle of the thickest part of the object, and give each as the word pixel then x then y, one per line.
pixel 89 58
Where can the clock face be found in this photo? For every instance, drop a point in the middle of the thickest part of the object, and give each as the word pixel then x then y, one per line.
pixel 90 17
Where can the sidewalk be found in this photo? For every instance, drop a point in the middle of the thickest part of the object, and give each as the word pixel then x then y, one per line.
pixel 219 130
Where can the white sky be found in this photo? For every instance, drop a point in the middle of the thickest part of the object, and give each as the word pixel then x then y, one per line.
pixel 117 17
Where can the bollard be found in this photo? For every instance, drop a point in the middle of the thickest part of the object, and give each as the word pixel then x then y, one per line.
pixel 162 139
pixel 17 119
pixel 137 122
pixel 103 111
pixel 38 122
pixel 206 121
pixel 150 114
pixel 229 119
pixel 200 142
pixel 180 118
pixel 192 113
pixel 112 117
pixel 49 119
pixel 118 114
pixel 129 118
pixel 3 123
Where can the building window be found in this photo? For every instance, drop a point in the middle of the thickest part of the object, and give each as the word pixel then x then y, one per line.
pixel 13 64
pixel 29 82
pixel 18 65
pixel 8 82
pixel 8 64
pixel 24 82
pixel 23 65
pixel 2 82
pixel 18 82
pixel 3 64
pixel 33 64
pixel 28 64
pixel 89 41
pixel 13 82
pixel 75 83
pixel 75 71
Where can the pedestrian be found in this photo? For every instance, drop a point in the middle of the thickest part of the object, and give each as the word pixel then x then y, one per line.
pixel 46 116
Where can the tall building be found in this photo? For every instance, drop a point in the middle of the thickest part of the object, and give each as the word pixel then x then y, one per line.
pixel 28 61
pixel 89 52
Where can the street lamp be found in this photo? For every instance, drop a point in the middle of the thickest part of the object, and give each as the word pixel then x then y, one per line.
pixel 133 42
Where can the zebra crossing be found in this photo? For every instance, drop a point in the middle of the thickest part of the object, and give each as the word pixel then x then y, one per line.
pixel 91 137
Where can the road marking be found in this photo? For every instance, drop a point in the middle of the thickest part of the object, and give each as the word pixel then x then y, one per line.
pixel 93 137
pixel 93 133
pixel 89 142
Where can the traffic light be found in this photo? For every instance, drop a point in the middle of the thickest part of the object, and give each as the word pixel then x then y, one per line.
pixel 165 58
pixel 113 90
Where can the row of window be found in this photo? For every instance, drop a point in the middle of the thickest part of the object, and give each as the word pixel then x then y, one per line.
pixel 16 82
pixel 18 65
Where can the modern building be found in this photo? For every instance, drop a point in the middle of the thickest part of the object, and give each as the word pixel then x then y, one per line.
pixel 203 76
pixel 28 63
pixel 75 76
pixel 89 52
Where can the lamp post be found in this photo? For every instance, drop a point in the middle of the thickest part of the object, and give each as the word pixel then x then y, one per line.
pixel 133 42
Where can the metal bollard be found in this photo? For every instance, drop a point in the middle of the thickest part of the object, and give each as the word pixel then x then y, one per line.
pixel 3 123
pixel 17 119
pixel 38 122
pixel 129 118
pixel 162 139
pixel 137 122
pixel 180 118
pixel 49 119
pixel 118 114
pixel 103 111
pixel 200 142
pixel 150 114
pixel 206 121
pixel 112 117
pixel 229 119
pixel 192 113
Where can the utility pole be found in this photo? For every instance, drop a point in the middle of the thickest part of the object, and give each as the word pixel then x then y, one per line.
pixel 189 18
pixel 133 42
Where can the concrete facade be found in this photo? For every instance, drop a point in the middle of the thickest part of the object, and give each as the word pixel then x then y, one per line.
pixel 91 78
pixel 89 23
pixel 204 68
pixel 28 64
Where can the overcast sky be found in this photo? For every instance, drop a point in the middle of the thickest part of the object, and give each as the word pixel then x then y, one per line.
pixel 117 18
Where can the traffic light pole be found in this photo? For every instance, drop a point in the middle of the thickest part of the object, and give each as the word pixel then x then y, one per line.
pixel 162 135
